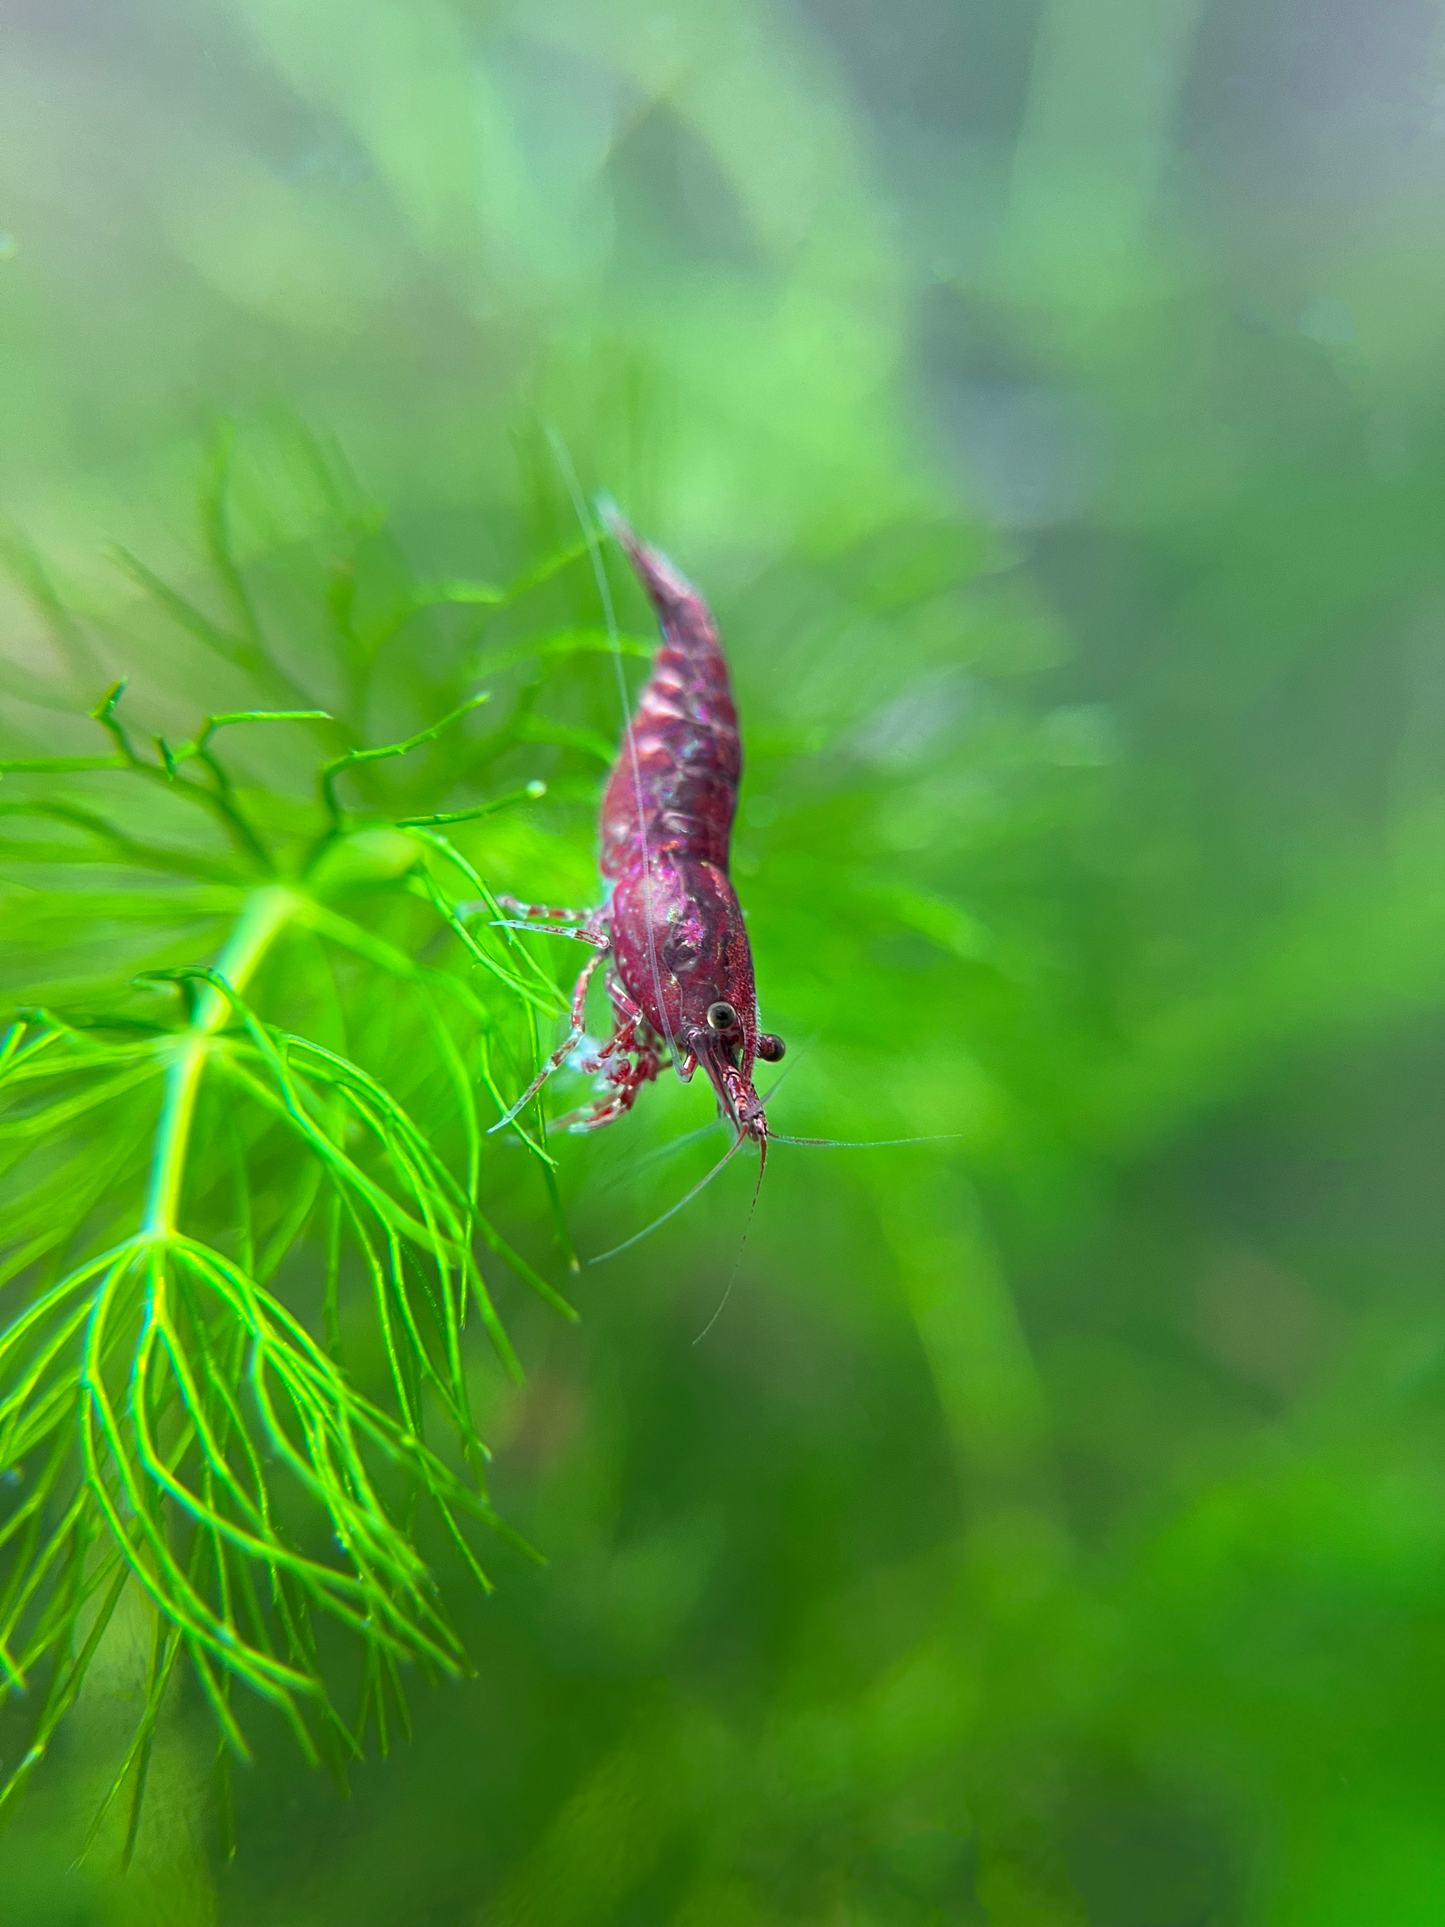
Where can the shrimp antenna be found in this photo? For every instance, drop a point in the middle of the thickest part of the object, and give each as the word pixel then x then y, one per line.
pixel 738 1261
pixel 648 1158
pixel 627 1173
pixel 647 1230
pixel 863 1143
pixel 610 514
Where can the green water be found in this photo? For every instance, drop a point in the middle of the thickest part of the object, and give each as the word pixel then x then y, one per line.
pixel 1051 1529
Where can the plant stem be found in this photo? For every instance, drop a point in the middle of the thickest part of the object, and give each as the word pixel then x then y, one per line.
pixel 266 913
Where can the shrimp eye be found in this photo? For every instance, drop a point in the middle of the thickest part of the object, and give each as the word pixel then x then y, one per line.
pixel 770 1048
pixel 721 1017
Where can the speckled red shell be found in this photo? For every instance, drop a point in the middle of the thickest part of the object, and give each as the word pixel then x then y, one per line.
pixel 677 929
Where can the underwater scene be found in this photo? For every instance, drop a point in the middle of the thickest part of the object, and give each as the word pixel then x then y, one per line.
pixel 933 1410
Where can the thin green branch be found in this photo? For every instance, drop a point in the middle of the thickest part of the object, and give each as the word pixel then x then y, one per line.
pixel 265 916
pixel 354 758
pixel 531 792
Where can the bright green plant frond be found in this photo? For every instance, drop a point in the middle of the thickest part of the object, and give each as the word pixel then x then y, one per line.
pixel 247 1208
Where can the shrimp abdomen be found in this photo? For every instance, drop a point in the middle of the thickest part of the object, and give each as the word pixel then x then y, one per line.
pixel 675 783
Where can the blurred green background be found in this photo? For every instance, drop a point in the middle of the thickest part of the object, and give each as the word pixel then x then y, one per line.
pixel 1052 1528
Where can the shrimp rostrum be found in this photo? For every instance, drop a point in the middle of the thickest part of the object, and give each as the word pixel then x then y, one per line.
pixel 670 932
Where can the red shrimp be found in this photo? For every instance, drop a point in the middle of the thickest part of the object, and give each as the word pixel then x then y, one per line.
pixel 679 964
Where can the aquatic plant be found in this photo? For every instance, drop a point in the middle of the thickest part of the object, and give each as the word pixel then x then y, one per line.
pixel 268 1026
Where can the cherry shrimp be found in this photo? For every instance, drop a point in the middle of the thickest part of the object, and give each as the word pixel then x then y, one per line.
pixel 670 930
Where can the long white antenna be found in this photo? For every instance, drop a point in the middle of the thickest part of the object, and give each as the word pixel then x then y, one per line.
pixel 647 1230
pixel 604 591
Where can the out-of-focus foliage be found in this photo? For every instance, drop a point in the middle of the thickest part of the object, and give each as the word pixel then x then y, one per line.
pixel 1052 1529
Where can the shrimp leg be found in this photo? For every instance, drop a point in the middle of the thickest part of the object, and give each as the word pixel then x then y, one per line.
pixel 626 1063
pixel 530 912
pixel 574 1036
pixel 628 1079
